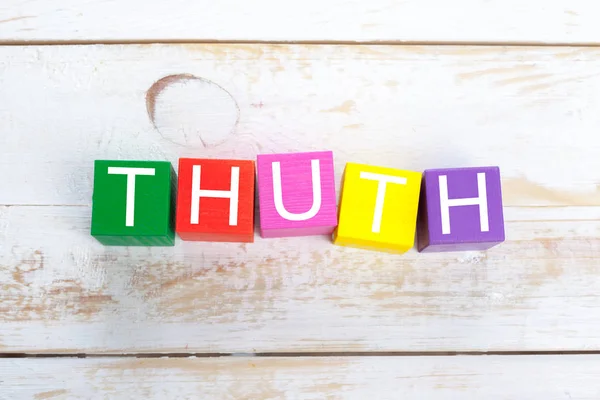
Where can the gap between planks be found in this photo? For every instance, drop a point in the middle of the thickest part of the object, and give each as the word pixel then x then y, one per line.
pixel 307 354
pixel 298 42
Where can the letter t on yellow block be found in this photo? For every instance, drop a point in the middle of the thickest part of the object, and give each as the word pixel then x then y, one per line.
pixel 378 208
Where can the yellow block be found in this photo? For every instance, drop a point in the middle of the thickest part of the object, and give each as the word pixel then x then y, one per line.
pixel 378 208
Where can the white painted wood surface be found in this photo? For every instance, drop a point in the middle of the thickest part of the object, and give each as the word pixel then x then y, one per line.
pixel 533 111
pixel 62 292
pixel 306 378
pixel 500 21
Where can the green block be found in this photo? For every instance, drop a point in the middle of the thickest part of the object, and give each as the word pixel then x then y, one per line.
pixel 134 203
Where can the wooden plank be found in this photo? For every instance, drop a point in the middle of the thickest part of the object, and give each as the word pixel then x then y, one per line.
pixel 435 378
pixel 63 292
pixel 409 107
pixel 554 21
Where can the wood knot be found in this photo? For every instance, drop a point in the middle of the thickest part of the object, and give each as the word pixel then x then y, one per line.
pixel 191 111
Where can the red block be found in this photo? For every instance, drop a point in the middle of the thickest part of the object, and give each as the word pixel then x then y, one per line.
pixel 215 200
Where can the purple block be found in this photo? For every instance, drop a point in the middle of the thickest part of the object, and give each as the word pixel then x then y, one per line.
pixel 460 210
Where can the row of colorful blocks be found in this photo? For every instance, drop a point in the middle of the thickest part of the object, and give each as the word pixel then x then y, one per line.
pixel 144 203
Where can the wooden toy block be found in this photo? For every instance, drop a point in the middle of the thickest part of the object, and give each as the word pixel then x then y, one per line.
pixel 296 194
pixel 215 200
pixel 133 203
pixel 378 208
pixel 461 209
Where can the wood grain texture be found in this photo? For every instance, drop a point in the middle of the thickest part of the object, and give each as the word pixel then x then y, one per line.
pixel 313 378
pixel 554 21
pixel 532 111
pixel 405 107
pixel 61 291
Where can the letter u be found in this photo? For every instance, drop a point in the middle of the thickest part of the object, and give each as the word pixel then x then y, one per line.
pixel 316 191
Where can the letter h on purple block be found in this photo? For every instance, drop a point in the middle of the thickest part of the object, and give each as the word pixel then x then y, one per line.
pixel 461 209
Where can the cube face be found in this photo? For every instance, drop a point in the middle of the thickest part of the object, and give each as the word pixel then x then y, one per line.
pixel 133 203
pixel 215 201
pixel 296 194
pixel 378 208
pixel 461 209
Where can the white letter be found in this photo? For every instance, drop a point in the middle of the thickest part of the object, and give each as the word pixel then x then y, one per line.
pixel 316 189
pixel 480 201
pixel 232 194
pixel 383 180
pixel 130 199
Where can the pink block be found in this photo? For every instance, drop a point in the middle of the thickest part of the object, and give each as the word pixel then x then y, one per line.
pixel 289 200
